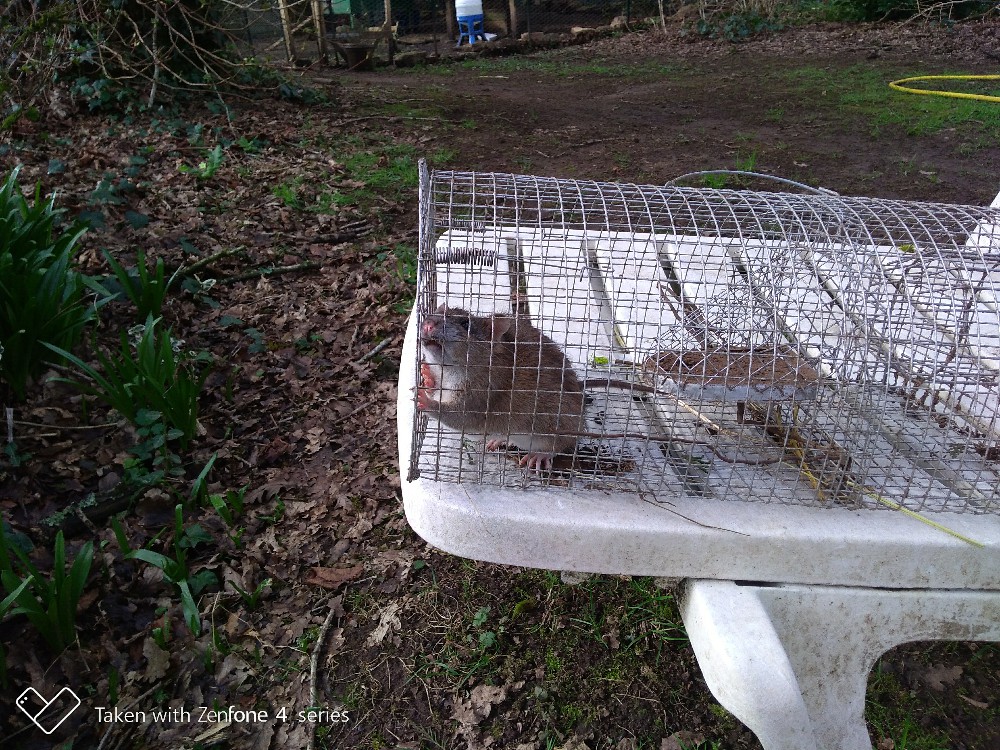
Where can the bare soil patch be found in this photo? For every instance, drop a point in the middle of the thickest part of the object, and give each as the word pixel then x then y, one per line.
pixel 650 107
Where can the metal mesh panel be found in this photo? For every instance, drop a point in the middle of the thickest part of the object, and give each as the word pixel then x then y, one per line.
pixel 254 27
pixel 762 347
pixel 562 15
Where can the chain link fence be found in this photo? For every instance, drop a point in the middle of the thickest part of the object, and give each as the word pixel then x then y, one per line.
pixel 257 25
pixel 558 16
pixel 505 18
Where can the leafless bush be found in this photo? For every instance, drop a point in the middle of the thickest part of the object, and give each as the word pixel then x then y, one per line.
pixel 35 43
pixel 763 8
pixel 952 10
pixel 173 45
pixel 151 47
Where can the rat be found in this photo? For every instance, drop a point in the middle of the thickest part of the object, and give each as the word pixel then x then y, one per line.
pixel 500 376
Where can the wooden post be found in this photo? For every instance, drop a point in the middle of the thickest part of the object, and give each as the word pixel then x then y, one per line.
pixel 390 39
pixel 435 27
pixel 513 27
pixel 286 28
pixel 319 21
pixel 449 19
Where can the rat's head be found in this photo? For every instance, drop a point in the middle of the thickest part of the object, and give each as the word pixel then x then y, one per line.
pixel 453 336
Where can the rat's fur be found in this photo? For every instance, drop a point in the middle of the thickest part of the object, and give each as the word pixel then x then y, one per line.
pixel 501 377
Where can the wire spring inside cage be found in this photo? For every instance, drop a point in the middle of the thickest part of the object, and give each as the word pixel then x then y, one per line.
pixel 474 256
pixel 472 225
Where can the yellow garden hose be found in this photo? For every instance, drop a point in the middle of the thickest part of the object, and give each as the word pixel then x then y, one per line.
pixel 954 94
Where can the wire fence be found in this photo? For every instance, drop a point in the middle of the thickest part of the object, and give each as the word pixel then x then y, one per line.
pixel 257 25
pixel 505 18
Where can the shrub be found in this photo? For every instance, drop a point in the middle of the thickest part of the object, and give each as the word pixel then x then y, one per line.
pixel 49 602
pixel 147 377
pixel 145 288
pixel 41 295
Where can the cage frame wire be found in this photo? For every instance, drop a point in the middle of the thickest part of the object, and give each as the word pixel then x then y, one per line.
pixel 830 241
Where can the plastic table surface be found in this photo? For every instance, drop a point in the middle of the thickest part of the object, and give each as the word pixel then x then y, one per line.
pixel 624 533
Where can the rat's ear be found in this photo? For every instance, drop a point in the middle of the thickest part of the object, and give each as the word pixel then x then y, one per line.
pixel 501 324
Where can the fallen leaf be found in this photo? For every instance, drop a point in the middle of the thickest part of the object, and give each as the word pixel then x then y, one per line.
pixel 681 741
pixel 479 705
pixel 388 621
pixel 937 677
pixel 157 660
pixel 334 578
pixel 971 702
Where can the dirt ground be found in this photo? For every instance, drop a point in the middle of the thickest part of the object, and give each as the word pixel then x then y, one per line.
pixel 420 649
pixel 647 108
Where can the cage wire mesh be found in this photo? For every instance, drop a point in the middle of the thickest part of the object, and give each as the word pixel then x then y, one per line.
pixel 756 346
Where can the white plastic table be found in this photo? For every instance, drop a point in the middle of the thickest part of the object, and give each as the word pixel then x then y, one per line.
pixel 787 606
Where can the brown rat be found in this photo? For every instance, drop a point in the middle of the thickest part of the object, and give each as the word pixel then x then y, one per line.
pixel 501 377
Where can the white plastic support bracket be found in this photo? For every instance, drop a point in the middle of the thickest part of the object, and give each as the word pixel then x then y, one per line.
pixel 792 661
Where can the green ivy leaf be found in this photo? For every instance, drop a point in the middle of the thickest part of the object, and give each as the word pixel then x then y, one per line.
pixel 93 219
pixel 136 219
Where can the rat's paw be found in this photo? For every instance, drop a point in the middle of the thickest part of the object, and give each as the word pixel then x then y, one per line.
pixel 427 385
pixel 537 462
pixel 423 399
pixel 426 377
pixel 495 445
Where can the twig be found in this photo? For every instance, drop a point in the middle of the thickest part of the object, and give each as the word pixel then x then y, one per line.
pixel 70 427
pixel 378 347
pixel 937 7
pixel 361 225
pixel 314 662
pixel 348 232
pixel 356 410
pixel 584 144
pixel 111 728
pixel 386 117
pixel 82 517
pixel 185 271
pixel 272 271
pixel 913 514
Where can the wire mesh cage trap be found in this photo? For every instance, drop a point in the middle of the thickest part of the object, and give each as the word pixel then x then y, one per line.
pixel 748 346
